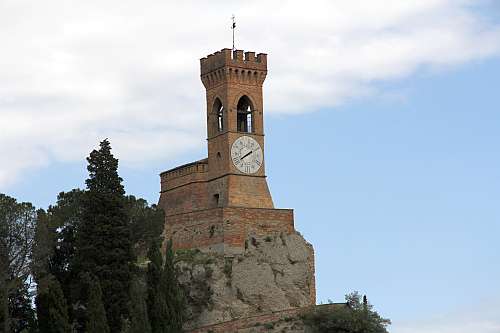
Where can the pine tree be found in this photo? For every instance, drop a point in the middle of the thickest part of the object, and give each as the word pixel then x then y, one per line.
pixel 52 309
pixel 166 305
pixel 104 246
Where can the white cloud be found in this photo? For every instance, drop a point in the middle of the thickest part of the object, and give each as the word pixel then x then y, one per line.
pixel 73 72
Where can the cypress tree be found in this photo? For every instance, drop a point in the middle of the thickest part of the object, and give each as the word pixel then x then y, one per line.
pixel 139 320
pixel 104 246
pixel 166 306
pixel 52 309
pixel 96 315
pixel 156 301
pixel 51 305
pixel 41 252
pixel 173 292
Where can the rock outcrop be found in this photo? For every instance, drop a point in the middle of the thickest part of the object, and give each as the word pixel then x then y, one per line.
pixel 274 273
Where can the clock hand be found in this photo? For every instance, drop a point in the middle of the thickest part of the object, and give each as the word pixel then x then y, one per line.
pixel 246 154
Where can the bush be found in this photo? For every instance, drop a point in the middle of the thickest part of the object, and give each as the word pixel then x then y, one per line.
pixel 355 316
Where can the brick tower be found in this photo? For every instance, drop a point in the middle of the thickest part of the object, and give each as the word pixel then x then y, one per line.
pixel 215 203
pixel 252 267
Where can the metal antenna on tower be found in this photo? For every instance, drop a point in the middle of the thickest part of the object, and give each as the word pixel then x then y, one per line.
pixel 233 27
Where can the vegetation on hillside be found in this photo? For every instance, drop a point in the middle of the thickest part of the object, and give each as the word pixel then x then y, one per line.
pixel 73 267
pixel 356 316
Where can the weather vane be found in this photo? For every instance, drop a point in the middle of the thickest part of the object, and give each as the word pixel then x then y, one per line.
pixel 233 27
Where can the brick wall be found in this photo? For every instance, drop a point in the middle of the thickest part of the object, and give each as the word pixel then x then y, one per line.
pixel 226 228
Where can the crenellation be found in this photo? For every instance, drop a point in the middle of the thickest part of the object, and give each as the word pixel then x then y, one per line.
pixel 238 58
pixel 262 58
pixel 250 56
pixel 238 55
pixel 198 166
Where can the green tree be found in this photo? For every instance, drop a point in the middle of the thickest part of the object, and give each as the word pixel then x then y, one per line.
pixel 146 223
pixel 52 309
pixel 139 320
pixel 355 316
pixel 21 313
pixel 17 229
pixel 43 248
pixel 51 305
pixel 96 315
pixel 4 280
pixel 104 246
pixel 65 217
pixel 156 301
pixel 61 228
pixel 173 291
pixel 165 301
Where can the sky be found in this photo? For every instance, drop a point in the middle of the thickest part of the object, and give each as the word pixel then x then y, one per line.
pixel 382 129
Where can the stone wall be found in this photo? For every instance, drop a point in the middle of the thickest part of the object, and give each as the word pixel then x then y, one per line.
pixel 285 321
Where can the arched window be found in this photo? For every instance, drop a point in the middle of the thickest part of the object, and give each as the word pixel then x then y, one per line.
pixel 245 115
pixel 218 111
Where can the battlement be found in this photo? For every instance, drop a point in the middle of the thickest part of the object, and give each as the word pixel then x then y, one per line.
pixel 186 169
pixel 237 58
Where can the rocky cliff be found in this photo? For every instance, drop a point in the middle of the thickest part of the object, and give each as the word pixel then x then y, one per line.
pixel 274 273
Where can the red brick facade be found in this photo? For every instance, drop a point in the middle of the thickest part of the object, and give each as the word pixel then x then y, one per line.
pixel 210 204
pixel 225 229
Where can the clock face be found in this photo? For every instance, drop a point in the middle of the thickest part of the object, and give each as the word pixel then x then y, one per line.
pixel 246 154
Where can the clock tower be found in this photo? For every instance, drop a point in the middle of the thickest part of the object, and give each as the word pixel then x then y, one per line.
pixel 220 207
pixel 235 128
pixel 216 203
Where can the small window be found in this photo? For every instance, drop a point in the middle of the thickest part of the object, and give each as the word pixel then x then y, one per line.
pixel 245 115
pixel 218 111
pixel 216 200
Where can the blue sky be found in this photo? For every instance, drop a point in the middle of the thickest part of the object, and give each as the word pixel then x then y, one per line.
pixel 391 164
